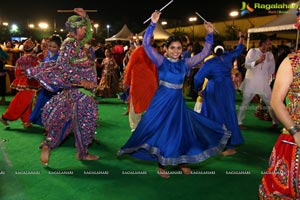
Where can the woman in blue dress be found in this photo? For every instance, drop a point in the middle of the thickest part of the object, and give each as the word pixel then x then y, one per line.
pixel 218 97
pixel 170 133
pixel 44 95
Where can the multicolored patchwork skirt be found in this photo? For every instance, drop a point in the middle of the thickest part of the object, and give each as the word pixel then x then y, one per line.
pixel 281 180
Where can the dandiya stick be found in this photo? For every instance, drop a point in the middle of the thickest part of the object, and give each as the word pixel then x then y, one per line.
pixel 160 10
pixel 67 11
pixel 205 21
pixel 292 143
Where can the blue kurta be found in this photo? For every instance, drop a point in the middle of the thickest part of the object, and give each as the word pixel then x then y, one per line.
pixel 170 133
pixel 218 100
pixel 43 97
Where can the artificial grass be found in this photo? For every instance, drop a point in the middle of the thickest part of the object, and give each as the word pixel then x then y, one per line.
pixel 234 177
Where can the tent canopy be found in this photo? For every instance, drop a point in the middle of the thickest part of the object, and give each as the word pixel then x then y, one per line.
pixel 159 33
pixel 123 34
pixel 285 22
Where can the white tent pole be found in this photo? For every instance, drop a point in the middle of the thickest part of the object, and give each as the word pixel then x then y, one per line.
pixel 248 40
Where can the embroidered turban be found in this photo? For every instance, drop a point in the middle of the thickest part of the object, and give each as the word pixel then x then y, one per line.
pixel 75 22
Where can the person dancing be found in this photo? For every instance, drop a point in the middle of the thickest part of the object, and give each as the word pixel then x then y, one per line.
pixel 44 95
pixel 74 109
pixel 141 80
pixel 281 180
pixel 170 133
pixel 21 104
pixel 219 94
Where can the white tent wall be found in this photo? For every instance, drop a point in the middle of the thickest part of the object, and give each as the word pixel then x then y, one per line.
pixel 284 22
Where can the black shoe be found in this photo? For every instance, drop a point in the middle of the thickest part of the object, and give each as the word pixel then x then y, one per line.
pixel 3 121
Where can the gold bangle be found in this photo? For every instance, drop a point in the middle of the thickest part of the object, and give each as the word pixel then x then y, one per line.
pixel 294 129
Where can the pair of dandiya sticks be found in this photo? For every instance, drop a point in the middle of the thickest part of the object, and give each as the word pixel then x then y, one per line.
pixel 205 21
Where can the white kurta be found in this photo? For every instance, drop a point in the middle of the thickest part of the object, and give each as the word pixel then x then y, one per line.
pixel 258 77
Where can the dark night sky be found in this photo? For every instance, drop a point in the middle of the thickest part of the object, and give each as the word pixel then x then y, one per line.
pixel 120 12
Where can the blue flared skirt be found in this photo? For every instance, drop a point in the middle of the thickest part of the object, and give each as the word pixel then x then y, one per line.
pixel 171 134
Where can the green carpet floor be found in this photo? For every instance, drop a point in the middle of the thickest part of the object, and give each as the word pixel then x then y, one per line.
pixel 22 177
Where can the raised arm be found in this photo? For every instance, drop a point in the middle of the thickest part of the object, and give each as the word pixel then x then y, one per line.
pixel 156 57
pixel 196 59
pixel 240 47
pixel 88 36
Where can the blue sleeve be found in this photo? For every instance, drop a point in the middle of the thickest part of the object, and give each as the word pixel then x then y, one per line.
pixel 198 58
pixel 201 75
pixel 237 51
pixel 154 56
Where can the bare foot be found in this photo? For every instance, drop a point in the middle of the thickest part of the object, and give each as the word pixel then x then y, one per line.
pixel 185 169
pixel 45 155
pixel 163 173
pixel 228 152
pixel 88 157
pixel 243 127
pixel 27 124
